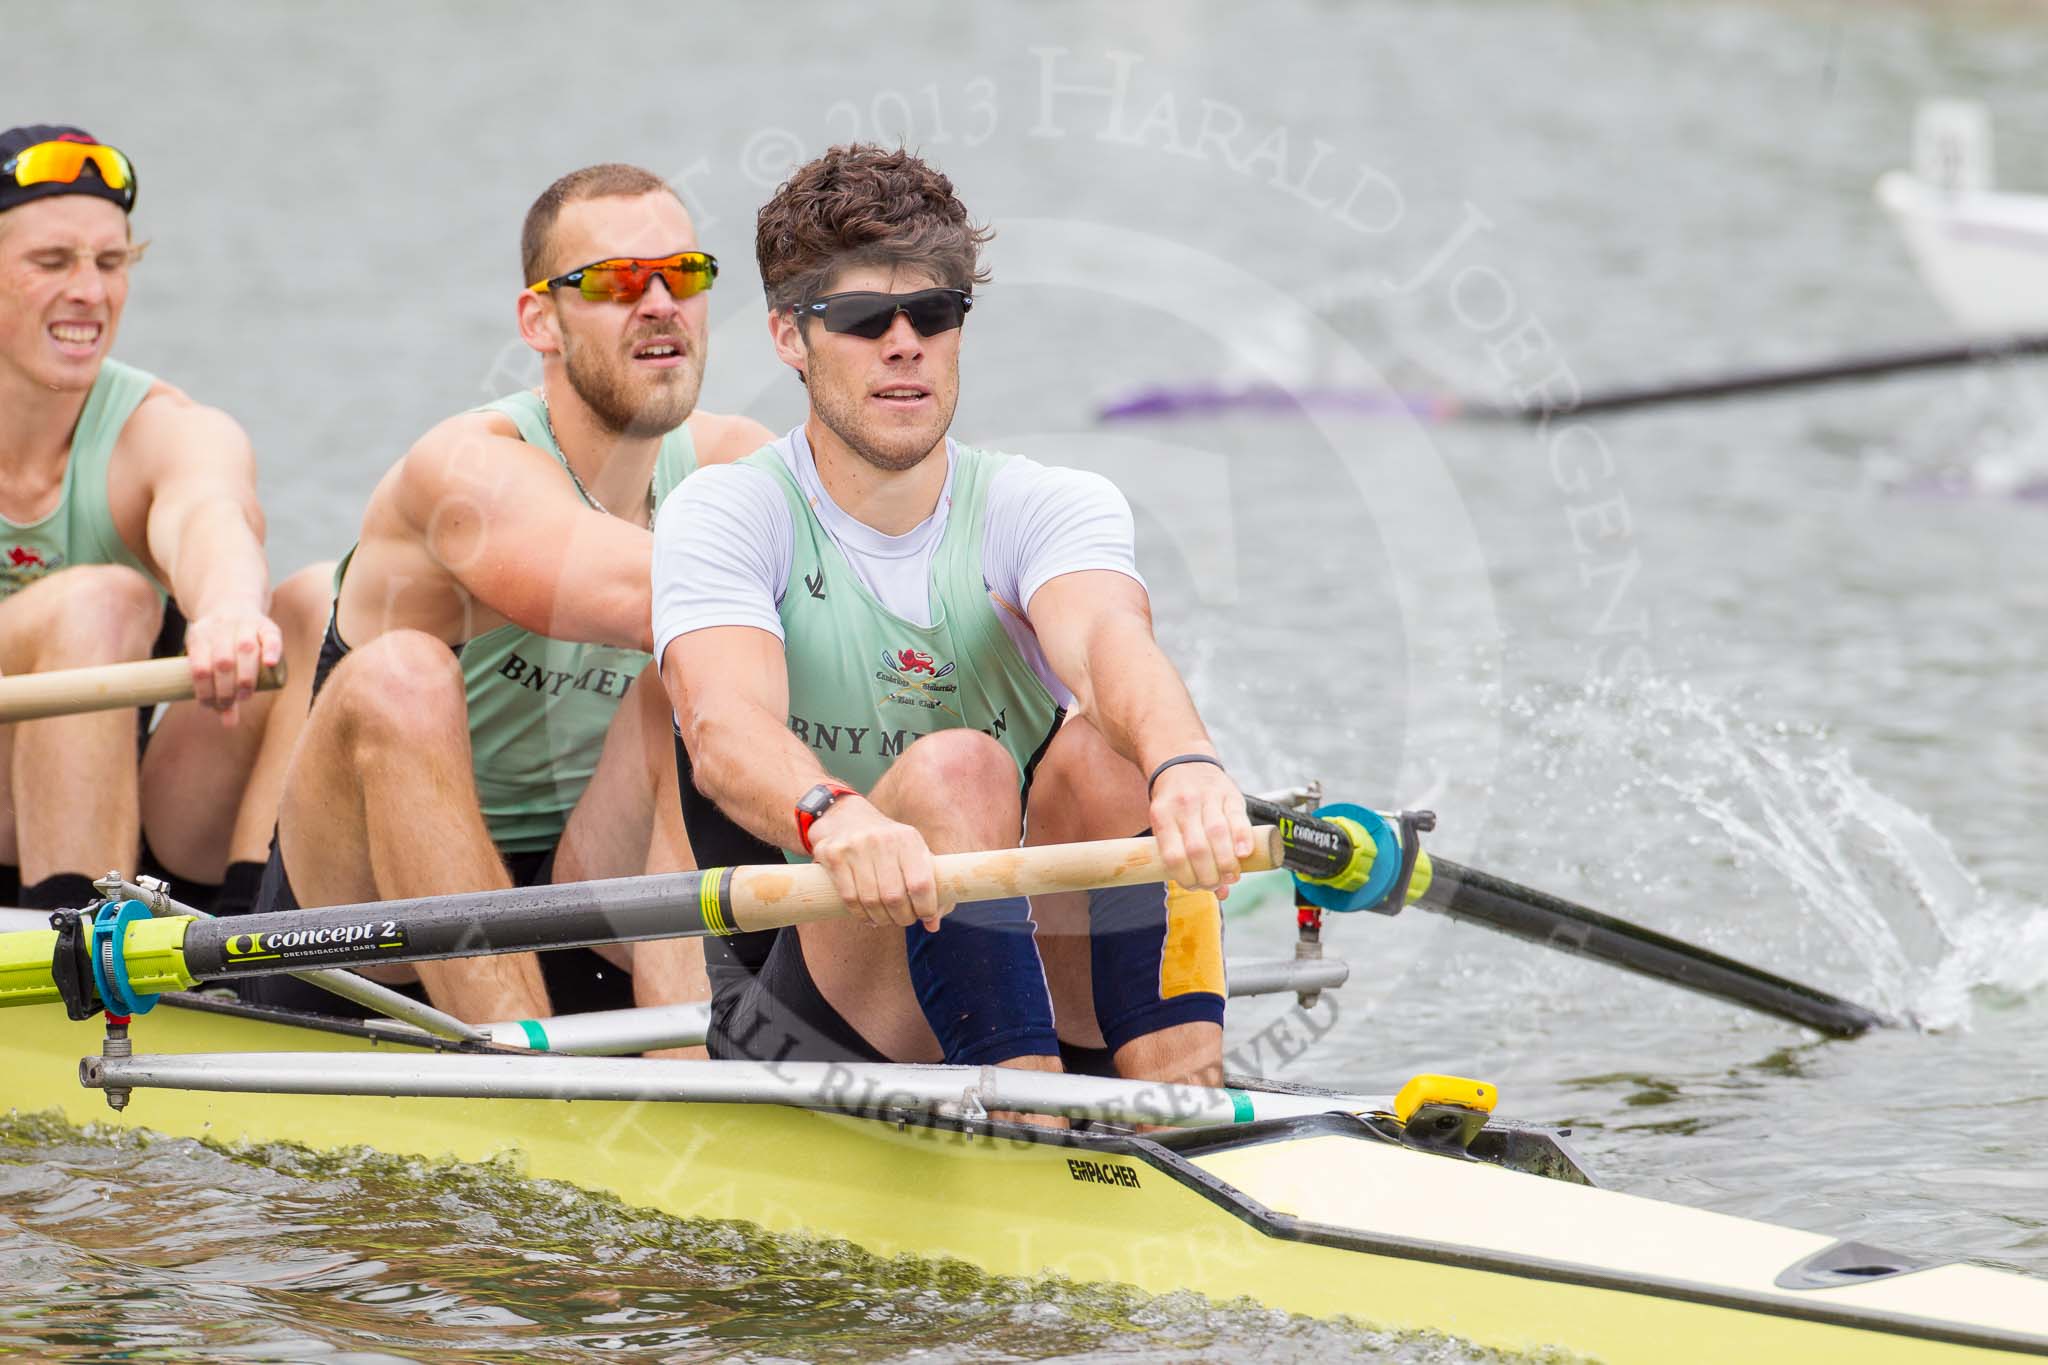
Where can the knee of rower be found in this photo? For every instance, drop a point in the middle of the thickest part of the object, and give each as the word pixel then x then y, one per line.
pixel 966 775
pixel 651 698
pixel 105 613
pixel 300 604
pixel 404 687
pixel 1084 789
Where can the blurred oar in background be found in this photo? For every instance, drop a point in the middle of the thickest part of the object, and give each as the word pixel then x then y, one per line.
pixel 1982 254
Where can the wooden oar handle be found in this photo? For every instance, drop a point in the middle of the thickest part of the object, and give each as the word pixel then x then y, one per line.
pixel 108 687
pixel 771 897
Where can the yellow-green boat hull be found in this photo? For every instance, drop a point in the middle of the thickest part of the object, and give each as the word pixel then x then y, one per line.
pixel 1314 1218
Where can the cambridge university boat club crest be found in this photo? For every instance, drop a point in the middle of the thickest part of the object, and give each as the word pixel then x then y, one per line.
pixel 24 564
pixel 918 681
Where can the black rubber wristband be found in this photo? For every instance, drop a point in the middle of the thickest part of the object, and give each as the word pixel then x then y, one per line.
pixel 1153 780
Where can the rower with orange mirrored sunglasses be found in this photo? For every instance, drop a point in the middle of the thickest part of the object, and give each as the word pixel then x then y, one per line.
pixel 63 160
pixel 623 279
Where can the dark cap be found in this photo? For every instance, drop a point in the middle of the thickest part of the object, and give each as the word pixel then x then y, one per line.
pixel 15 141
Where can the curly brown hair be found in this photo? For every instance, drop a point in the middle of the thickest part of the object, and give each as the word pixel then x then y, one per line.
pixel 864 205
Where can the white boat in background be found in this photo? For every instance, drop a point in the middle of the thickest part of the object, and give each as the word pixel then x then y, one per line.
pixel 1982 252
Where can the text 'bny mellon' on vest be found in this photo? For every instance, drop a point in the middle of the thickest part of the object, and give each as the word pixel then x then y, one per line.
pixel 534 678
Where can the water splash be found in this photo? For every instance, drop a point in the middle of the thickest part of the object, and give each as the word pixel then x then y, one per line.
pixel 1738 813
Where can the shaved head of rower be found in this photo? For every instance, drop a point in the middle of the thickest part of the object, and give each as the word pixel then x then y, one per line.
pixel 637 366
pixel 484 710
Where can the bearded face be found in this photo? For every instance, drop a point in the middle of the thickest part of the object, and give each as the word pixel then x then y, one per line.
pixel 646 382
pixel 890 399
pixel 638 365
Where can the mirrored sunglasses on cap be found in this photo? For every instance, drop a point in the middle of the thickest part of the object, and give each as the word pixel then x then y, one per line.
pixel 863 313
pixel 625 278
pixel 62 162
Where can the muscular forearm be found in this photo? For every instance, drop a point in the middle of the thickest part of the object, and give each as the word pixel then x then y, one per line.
pixel 600 594
pixel 1137 701
pixel 745 759
pixel 218 563
pixel 1136 697
pixel 597 593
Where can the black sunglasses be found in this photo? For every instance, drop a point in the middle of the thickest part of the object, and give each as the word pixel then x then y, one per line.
pixel 863 313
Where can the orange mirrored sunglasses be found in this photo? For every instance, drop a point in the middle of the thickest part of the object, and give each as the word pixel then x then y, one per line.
pixel 624 279
pixel 63 162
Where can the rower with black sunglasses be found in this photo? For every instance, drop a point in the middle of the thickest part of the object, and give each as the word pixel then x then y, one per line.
pixel 881 643
pixel 129 526
pixel 479 714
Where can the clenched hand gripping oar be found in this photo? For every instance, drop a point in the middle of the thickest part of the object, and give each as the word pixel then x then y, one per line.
pixel 120 957
pixel 1392 864
pixel 108 687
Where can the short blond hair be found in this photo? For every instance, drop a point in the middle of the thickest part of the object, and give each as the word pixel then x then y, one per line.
pixel 607 180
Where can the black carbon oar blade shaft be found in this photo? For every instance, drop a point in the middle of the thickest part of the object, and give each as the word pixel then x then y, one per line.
pixel 1477 897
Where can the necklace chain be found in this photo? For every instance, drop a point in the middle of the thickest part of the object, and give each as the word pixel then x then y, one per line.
pixel 547 415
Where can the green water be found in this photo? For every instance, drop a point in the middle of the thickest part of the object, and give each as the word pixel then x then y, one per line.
pixel 115 1246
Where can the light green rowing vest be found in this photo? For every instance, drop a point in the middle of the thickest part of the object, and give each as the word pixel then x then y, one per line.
pixel 863 682
pixel 80 529
pixel 539 707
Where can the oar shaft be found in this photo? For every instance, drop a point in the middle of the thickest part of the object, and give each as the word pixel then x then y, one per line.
pixel 107 687
pixel 1867 365
pixel 677 905
pixel 1476 897
pixel 615 1033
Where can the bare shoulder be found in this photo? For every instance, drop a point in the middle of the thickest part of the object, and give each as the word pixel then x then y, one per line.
pixel 436 508
pixel 469 453
pixel 465 431
pixel 721 438
pixel 169 432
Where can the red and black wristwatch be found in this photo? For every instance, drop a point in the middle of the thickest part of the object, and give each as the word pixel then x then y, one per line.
pixel 814 804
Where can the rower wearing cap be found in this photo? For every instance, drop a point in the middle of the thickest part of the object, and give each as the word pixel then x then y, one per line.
pixel 479 714
pixel 129 526
pixel 881 644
